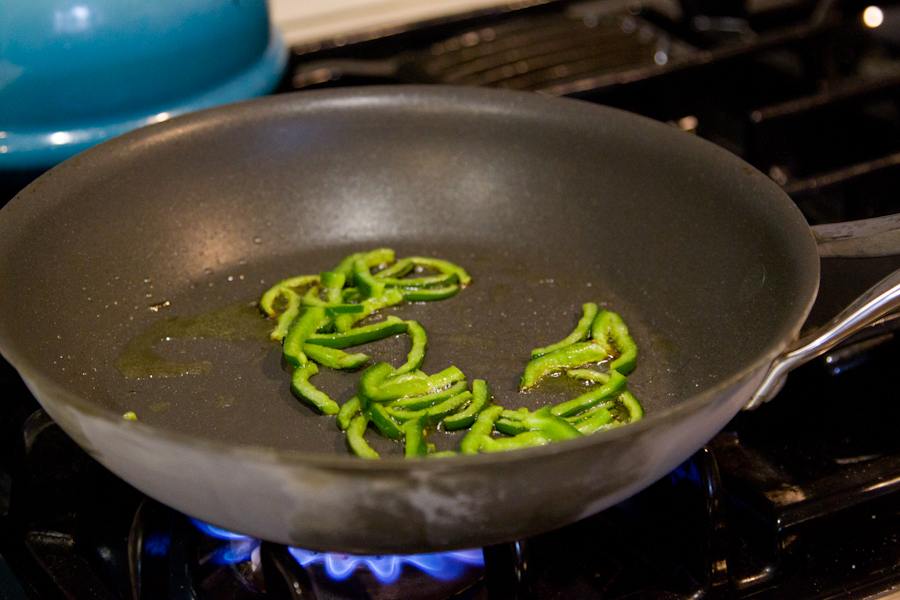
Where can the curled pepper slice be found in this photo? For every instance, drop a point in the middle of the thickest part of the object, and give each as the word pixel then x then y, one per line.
pixel 481 397
pixel 359 335
pixel 574 355
pixel 590 399
pixel 610 331
pixel 581 332
pixel 417 351
pixel 302 330
pixel 432 414
pixel 481 430
pixel 348 410
pixel 355 438
pixel 428 400
pixel 306 391
pixel 333 358
pixel 522 440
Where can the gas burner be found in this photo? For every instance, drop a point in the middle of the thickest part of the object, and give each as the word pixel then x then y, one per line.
pixel 338 575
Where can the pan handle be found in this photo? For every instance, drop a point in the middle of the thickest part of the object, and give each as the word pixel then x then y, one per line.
pixel 857 239
pixel 868 309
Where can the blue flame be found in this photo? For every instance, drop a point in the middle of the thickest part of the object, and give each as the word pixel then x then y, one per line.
pixel 445 566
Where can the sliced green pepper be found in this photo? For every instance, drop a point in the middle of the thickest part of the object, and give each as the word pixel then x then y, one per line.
pixel 610 330
pixel 588 375
pixel 416 355
pixel 367 284
pixel 590 399
pixel 522 440
pixel 574 355
pixel 267 302
pixel 355 438
pixel 481 430
pixel 444 266
pixel 304 390
pixel 398 269
pixel 385 423
pixel 303 329
pixel 348 410
pixel 359 335
pixel 581 332
pixel 394 390
pixel 542 420
pixel 429 294
pixel 333 358
pixel 428 400
pixel 481 397
pixel 433 414
pixel 414 439
pixel 594 422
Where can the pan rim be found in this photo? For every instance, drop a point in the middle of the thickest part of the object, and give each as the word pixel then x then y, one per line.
pixel 351 97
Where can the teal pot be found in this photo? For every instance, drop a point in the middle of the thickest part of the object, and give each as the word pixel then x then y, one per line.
pixel 76 72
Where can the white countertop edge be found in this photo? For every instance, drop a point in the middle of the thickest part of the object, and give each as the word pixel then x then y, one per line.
pixel 303 21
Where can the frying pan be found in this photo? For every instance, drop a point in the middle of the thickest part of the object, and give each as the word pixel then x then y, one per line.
pixel 549 203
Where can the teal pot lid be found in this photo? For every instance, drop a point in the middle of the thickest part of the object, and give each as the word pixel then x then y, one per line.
pixel 74 73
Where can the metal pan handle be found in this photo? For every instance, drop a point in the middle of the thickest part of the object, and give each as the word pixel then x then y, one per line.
pixel 878 301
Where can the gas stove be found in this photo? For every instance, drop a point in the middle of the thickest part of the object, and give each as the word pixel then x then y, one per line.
pixel 798 499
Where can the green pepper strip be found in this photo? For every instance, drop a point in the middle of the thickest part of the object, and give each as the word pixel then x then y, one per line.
pixel 593 423
pixel 588 375
pixel 370 381
pixel 359 335
pixel 481 430
pixel 569 357
pixel 549 425
pixel 332 357
pixel 335 310
pixel 305 327
pixel 594 397
pixel 481 397
pixel 610 330
pixel 286 319
pixel 367 284
pixel 304 390
pixel 398 269
pixel 578 335
pixel 632 406
pixel 389 298
pixel 312 297
pixel 429 294
pixel 393 390
pixel 598 408
pixel 372 258
pixel 508 426
pixel 428 400
pixel 355 438
pixel 442 280
pixel 379 415
pixel 417 351
pixel 444 266
pixel 349 409
pixel 334 285
pixel 414 439
pixel 434 414
pixel 267 302
pixel 522 440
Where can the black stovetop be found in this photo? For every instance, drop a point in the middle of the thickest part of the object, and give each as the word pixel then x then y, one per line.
pixel 799 499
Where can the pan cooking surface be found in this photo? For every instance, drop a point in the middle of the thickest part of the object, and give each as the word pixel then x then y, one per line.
pixel 517 302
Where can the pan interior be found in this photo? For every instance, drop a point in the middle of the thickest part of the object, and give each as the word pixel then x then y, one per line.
pixel 548 203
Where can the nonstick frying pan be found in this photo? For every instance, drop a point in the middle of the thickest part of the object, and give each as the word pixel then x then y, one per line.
pixel 549 203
